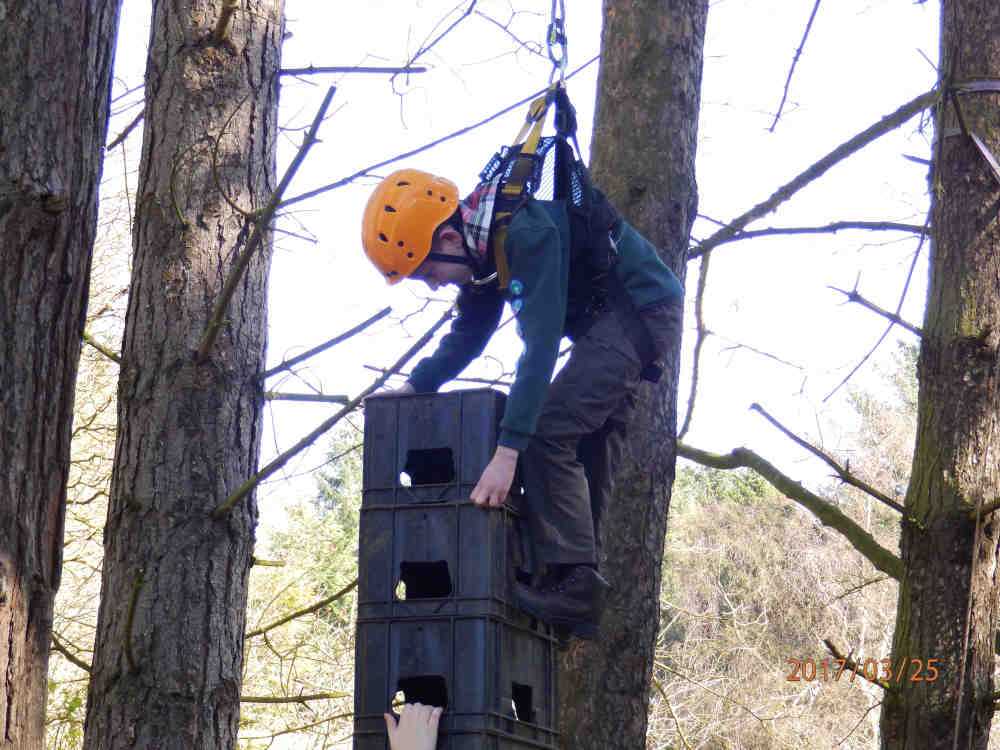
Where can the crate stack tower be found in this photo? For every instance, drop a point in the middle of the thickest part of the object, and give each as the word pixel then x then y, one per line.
pixel 436 621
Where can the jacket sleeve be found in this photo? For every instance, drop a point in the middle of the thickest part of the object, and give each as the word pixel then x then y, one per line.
pixel 540 265
pixel 478 316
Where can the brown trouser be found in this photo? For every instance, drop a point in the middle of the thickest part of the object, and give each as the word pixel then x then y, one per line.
pixel 580 435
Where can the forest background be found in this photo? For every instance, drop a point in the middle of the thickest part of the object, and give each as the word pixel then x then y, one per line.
pixel 750 581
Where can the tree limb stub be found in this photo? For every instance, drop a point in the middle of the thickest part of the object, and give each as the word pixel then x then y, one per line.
pixel 786 191
pixel 229 7
pixel 257 236
pixel 249 485
pixel 827 513
pixel 293 698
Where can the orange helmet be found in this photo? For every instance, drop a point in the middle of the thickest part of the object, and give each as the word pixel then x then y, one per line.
pixel 400 219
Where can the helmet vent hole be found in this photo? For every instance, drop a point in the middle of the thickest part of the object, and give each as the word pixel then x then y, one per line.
pixel 390 209
pixel 382 237
pixel 430 192
pixel 442 199
pixel 409 255
pixel 402 183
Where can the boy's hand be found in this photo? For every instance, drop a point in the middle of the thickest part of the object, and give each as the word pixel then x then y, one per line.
pixel 416 729
pixel 492 488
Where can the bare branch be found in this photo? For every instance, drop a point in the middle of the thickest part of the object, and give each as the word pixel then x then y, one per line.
pixel 313 70
pixel 289 363
pixel 293 698
pixel 853 666
pixel 260 227
pixel 127 131
pixel 308 440
pixel 853 296
pixel 677 723
pixel 832 228
pixel 425 147
pixel 827 513
pixel 786 191
pixel 842 472
pixel 88 339
pixel 267 563
pixel 703 333
pixel 791 70
pixel 306 611
pixel 899 307
pixel 311 397
pixel 70 657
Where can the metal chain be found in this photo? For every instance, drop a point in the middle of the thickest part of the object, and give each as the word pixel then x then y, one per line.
pixel 556 41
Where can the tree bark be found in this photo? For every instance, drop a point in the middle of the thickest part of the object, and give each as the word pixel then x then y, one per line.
pixel 55 74
pixel 956 465
pixel 169 645
pixel 642 156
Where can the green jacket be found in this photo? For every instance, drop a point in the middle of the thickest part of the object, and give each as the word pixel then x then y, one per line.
pixel 538 253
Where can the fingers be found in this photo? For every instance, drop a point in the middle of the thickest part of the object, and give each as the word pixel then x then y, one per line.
pixel 390 723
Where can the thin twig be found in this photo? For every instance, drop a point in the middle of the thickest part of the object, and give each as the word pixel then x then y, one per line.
pixel 844 475
pixel 308 440
pixel 305 611
pixel 827 513
pixel 677 723
pixel 853 296
pixel 427 146
pixel 791 70
pixel 260 227
pixel 289 363
pixel 313 70
pixel 786 191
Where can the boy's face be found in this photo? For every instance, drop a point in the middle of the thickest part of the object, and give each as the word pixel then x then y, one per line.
pixel 436 273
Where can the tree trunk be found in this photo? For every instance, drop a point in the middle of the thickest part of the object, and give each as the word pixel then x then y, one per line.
pixel 956 465
pixel 169 645
pixel 643 154
pixel 55 74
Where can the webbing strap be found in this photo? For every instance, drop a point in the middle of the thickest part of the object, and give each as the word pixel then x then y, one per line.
pixel 532 128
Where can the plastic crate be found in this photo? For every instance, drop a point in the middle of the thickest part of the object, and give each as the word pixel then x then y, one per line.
pixel 495 679
pixel 444 558
pixel 429 447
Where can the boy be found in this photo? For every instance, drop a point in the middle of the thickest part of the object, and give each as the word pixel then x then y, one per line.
pixel 567 433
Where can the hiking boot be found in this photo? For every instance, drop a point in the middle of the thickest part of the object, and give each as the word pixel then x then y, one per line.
pixel 572 604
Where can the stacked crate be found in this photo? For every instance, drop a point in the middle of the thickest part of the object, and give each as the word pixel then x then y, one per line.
pixel 436 621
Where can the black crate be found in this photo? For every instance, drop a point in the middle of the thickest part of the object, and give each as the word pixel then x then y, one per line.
pixel 495 679
pixel 442 558
pixel 428 447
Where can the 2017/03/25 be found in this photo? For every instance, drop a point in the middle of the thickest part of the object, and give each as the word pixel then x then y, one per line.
pixel 871 669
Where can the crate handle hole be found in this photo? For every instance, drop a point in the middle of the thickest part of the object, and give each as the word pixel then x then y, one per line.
pixel 429 689
pixel 524 709
pixel 429 466
pixel 423 580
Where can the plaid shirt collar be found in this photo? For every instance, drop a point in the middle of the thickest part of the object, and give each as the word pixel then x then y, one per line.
pixel 477 215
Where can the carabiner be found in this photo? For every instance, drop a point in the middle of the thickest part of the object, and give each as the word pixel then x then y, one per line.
pixel 556 37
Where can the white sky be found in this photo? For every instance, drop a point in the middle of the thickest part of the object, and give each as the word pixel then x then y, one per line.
pixel 862 60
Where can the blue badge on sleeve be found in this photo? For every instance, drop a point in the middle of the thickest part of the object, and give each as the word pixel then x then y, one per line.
pixel 516 287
